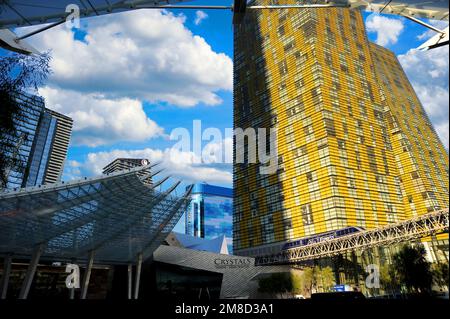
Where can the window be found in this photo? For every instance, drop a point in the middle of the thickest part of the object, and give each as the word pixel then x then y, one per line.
pixel 301 151
pixel 281 31
pixel 288 47
pixel 333 181
pixel 322 143
pixel 282 66
pixel 308 130
pixel 307 215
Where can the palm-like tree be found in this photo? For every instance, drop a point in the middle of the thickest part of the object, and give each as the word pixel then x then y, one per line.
pixel 414 272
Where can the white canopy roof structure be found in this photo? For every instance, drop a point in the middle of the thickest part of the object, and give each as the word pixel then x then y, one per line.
pixel 15 13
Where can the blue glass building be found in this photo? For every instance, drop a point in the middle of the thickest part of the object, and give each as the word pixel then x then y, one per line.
pixel 41 151
pixel 41 144
pixel 32 107
pixel 210 213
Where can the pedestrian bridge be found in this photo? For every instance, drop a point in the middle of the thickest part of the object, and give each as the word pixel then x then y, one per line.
pixel 409 230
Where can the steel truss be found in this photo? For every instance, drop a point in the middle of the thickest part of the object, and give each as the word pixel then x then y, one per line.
pixel 408 230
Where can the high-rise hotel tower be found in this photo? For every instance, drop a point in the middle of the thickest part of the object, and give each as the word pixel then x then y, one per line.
pixel 42 141
pixel 355 146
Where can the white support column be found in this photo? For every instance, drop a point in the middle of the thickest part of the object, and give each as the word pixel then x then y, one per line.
pixel 31 271
pixel 87 275
pixel 130 280
pixel 5 278
pixel 138 275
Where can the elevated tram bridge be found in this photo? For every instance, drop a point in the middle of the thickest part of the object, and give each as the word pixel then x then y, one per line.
pixel 405 231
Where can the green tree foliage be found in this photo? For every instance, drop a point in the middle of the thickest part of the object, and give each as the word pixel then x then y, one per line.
pixel 440 273
pixel 389 279
pixel 312 279
pixel 298 284
pixel 309 280
pixel 18 74
pixel 414 272
pixel 325 279
pixel 276 284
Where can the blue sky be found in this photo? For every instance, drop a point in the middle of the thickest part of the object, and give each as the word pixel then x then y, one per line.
pixel 129 79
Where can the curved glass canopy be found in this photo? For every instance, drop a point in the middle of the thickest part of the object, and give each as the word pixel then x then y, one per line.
pixel 116 216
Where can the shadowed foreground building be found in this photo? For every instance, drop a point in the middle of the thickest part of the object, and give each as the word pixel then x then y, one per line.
pixel 115 220
pixel 355 146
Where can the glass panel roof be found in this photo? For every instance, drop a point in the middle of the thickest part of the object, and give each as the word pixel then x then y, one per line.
pixel 14 13
pixel 31 12
pixel 118 216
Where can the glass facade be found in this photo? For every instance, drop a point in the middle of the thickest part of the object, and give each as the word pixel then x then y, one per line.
pixel 41 151
pixel 209 214
pixel 32 108
pixel 42 142
pixel 333 97
pixel 187 283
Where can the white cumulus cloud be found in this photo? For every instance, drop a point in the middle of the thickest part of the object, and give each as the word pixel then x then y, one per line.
pixel 184 167
pixel 99 120
pixel 200 16
pixel 441 25
pixel 147 55
pixel 104 72
pixel 428 72
pixel 388 30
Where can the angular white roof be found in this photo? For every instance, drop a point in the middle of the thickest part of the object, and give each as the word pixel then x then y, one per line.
pixel 216 245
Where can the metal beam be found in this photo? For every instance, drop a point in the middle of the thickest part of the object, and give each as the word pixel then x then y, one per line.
pixel 306 6
pixel 426 25
pixel 87 275
pixel 41 30
pixel 62 186
pixel 431 9
pixel 193 7
pixel 31 271
pixel 138 276
pixel 135 219
pixel 6 274
pixel 80 221
pixel 177 207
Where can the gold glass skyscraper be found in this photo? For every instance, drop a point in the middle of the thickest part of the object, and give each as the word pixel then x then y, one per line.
pixel 355 147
